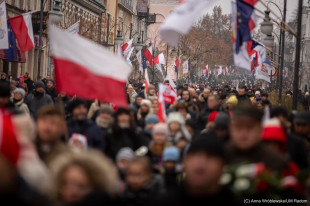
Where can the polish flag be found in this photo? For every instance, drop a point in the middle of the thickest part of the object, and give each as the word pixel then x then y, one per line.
pixel 226 70
pixel 171 83
pixel 9 146
pixel 127 45
pixel 146 81
pixel 206 71
pixel 177 64
pixel 161 112
pixel 88 70
pixel 148 53
pixel 160 59
pixel 22 28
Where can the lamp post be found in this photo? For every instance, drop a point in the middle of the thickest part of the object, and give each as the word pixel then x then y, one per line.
pixel 118 40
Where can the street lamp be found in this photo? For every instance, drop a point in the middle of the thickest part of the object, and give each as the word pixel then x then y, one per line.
pixel 119 38
pixel 266 26
pixel 174 52
pixel 268 41
pixel 55 15
pixel 139 44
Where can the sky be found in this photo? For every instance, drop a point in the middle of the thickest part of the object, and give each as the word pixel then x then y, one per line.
pixel 291 6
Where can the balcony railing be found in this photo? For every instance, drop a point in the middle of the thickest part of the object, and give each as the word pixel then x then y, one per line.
pixel 127 4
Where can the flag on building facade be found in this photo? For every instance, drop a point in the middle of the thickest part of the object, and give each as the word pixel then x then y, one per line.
pixel 22 28
pixel 160 59
pixel 4 39
pixel 185 67
pixel 127 45
pixel 176 65
pixel 144 64
pixel 148 53
pixel 77 58
pixel 11 52
pixel 139 58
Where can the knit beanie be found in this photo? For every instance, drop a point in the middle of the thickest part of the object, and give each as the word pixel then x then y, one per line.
pixel 106 109
pixel 222 121
pixel 232 100
pixel 20 91
pixel 151 87
pixel 274 132
pixel 161 128
pixel 171 154
pixel 151 119
pixel 39 84
pixel 125 153
pixel 176 117
pixel 75 103
pixel 146 102
pixel 212 116
pixel 80 138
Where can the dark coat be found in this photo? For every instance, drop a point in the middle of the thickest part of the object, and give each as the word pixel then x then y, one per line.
pixel 297 150
pixel 90 130
pixel 52 93
pixel 35 102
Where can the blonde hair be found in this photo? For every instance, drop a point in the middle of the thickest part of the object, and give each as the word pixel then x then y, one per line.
pixel 99 170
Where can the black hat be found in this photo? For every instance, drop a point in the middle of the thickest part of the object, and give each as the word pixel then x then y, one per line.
pixel 5 90
pixel 51 80
pixel 180 87
pixel 209 144
pixel 39 84
pixel 278 111
pixel 122 110
pixel 141 94
pixel 75 103
pixel 222 121
pixel 302 117
pixel 249 110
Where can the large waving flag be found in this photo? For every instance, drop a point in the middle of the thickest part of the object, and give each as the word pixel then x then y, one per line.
pixel 148 53
pixel 182 19
pixel 88 70
pixel 22 28
pixel 244 20
pixel 127 45
pixel 160 59
pixel 4 40
pixel 74 28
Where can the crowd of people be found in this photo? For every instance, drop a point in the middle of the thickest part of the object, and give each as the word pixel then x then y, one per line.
pixel 219 145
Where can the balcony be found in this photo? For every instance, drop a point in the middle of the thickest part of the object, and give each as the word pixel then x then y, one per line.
pixel 127 4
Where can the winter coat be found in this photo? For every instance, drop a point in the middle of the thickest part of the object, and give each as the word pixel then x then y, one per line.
pixel 35 102
pixel 90 130
pixel 21 106
pixel 52 92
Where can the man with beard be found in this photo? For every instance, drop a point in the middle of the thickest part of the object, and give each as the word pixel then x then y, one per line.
pixel 79 124
pixel 38 98
pixel 50 89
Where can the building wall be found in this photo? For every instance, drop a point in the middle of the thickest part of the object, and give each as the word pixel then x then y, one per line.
pixel 305 51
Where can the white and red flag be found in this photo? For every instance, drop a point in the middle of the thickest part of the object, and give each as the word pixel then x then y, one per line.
pixel 127 45
pixel 88 70
pixel 160 59
pixel 148 53
pixel 161 112
pixel 206 71
pixel 22 28
pixel 219 71
pixel 226 70
pixel 171 83
pixel 169 95
pixel 182 19
pixel 146 81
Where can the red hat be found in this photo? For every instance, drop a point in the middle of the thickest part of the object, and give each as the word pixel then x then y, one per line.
pixel 212 116
pixel 274 132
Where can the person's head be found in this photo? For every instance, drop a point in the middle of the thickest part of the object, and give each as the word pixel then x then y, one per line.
pixel 245 127
pixel 302 123
pixel 18 94
pixel 154 104
pixel 139 99
pixel 264 96
pixel 185 86
pixel 204 164
pixel 242 91
pixel 171 156
pixel 50 124
pixel 145 105
pixel 105 116
pixel 179 90
pixel 185 95
pixel 190 126
pixel 151 90
pixel 250 93
pixel 221 127
pixel 76 175
pixel 39 87
pixel 129 88
pixel 257 94
pixel 175 121
pixel 12 85
pixel 274 136
pixel 213 102
pixel 160 133
pixel 3 75
pixel 206 93
pixel 150 122
pixel 123 118
pixel 182 108
pixel 78 109
pixel 123 157
pixel 5 94
pixel 139 173
pixel 78 142
pixel 50 83
pixel 280 113
pixel 232 102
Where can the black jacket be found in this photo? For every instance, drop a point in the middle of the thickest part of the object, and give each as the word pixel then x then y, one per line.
pixel 35 102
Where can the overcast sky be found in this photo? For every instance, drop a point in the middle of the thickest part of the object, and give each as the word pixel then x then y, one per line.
pixel 291 6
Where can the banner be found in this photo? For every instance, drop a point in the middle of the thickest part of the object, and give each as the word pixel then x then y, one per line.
pixel 185 67
pixel 4 41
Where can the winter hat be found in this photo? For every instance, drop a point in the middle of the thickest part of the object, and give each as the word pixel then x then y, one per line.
pixel 146 102
pixel 274 132
pixel 171 154
pixel 141 94
pixel 151 86
pixel 257 93
pixel 302 117
pixel 122 110
pixel 51 80
pixel 258 99
pixel 78 137
pixel 232 100
pixel 176 117
pixel 39 84
pixel 75 103
pixel 212 116
pixel 20 90
pixel 5 90
pixel 125 153
pixel 151 119
pixel 106 109
pixel 161 128
pixel 222 121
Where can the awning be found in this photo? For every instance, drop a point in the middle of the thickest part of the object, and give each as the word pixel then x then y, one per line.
pixel 21 57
